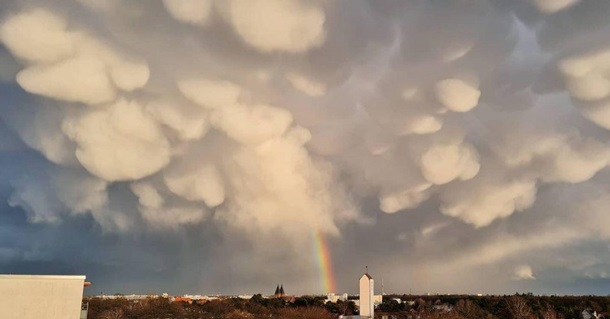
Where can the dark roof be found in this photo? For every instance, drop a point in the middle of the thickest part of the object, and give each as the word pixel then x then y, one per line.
pixel 277 290
pixel 367 275
pixel 282 290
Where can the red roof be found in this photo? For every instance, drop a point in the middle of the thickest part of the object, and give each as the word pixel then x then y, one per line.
pixel 182 299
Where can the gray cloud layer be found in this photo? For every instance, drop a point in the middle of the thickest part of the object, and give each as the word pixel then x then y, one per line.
pixel 207 142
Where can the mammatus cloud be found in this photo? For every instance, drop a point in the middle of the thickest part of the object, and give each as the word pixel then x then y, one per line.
pixel 275 120
pixel 552 6
pixel 289 26
pixel 195 12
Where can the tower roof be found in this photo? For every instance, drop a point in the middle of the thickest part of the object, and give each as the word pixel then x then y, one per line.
pixel 282 290
pixel 277 290
pixel 367 275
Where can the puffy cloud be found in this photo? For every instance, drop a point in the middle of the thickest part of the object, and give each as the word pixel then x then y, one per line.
pixel 252 124
pixel 392 202
pixel 552 6
pixel 587 78
pixel 199 183
pixel 129 76
pixel 189 11
pixel 277 187
pixel 118 141
pixel 578 163
pixel 502 203
pixel 425 125
pixel 147 194
pixel 37 36
pixel 210 94
pixel 457 95
pixel 68 66
pixel 598 113
pixel 277 25
pixel 190 123
pixel 555 158
pixel 82 79
pixel 487 197
pixel 443 163
pixel 523 272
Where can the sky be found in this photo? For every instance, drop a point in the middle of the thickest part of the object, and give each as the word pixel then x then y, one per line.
pixel 227 146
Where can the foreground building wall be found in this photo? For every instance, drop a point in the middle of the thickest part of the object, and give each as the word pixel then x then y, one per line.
pixel 40 297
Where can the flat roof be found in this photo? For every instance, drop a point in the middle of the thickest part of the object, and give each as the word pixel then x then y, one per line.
pixel 38 277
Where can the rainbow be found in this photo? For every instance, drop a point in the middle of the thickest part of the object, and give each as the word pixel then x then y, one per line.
pixel 324 262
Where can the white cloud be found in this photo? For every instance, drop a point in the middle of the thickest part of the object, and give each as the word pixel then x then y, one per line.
pixel 118 141
pixel 252 124
pixel 443 163
pixel 523 272
pixel 37 36
pixel 195 12
pixel 82 79
pixel 552 6
pixel 202 182
pixel 277 25
pixel 457 95
pixel 210 94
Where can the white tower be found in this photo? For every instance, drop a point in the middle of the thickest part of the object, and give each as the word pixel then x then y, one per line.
pixel 367 291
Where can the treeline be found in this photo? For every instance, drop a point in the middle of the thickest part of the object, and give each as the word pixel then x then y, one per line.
pixel 314 307
pixel 525 306
pixel 230 308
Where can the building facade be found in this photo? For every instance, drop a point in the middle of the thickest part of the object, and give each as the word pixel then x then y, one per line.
pixel 41 297
pixel 367 296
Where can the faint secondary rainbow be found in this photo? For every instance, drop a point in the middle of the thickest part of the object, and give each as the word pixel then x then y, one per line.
pixel 325 264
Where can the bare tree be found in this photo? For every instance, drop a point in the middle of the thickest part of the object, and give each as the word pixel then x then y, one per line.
pixel 517 308
pixel 238 314
pixel 116 313
pixel 469 309
pixel 548 313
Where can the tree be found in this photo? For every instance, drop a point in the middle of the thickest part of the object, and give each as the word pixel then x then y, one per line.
pixel 116 313
pixel 238 314
pixel 390 306
pixel 516 307
pixel 304 313
pixel 548 313
pixel 470 310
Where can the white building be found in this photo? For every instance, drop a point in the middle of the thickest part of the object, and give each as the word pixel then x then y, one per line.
pixel 589 314
pixel 41 297
pixel 332 297
pixel 367 293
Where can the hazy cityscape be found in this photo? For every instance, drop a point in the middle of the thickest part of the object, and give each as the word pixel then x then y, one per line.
pixel 304 159
pixel 366 304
